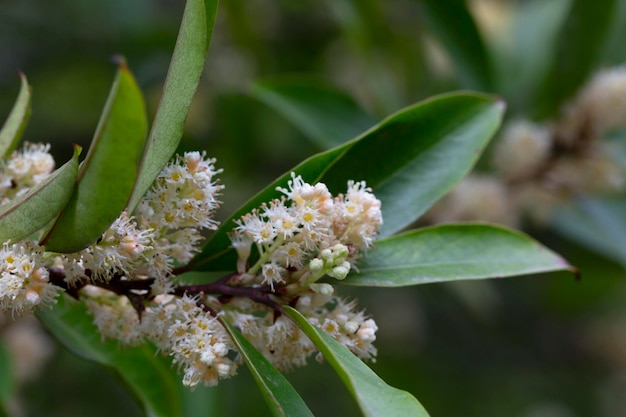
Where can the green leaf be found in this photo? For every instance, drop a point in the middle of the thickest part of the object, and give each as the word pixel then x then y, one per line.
pixel 147 375
pixel 533 24
pixel 201 402
pixel 374 396
pixel 281 398
pixel 107 175
pixel 180 86
pixel 453 25
pixel 32 211
pixel 453 252
pixel 15 124
pixel 328 116
pixel 411 159
pixel 7 382
pixel 580 45
pixel 597 223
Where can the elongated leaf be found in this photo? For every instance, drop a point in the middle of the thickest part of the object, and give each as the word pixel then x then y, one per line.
pixel 14 126
pixel 107 175
pixel 451 253
pixel 411 159
pixel 281 398
pixel 596 223
pixel 180 86
pixel 580 45
pixel 534 33
pixel 374 396
pixel 147 375
pixel 453 25
pixel 32 211
pixel 328 116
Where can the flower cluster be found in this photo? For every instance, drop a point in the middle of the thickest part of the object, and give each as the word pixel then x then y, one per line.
pixel 127 278
pixel 24 169
pixel 24 280
pixel 307 234
pixel 166 228
pixel 538 166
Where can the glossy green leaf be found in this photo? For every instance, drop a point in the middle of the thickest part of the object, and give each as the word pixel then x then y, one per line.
pixel 374 396
pixel 453 252
pixel 147 375
pixel 7 382
pixel 328 116
pixel 14 126
pixel 453 25
pixel 180 86
pixel 411 159
pixel 32 211
pixel 106 177
pixel 281 398
pixel 596 223
pixel 580 45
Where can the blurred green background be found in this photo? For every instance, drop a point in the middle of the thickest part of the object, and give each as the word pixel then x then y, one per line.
pixel 545 346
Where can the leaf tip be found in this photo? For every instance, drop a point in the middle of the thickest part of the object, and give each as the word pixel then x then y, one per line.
pixel 77 149
pixel 120 61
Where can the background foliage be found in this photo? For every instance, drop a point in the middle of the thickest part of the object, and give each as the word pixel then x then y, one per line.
pixel 540 346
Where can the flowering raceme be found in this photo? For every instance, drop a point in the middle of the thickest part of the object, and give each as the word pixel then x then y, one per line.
pixel 286 249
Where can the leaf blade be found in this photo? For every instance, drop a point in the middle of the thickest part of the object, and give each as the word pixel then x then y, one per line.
pixel 147 375
pixel 34 210
pixel 107 175
pixel 183 77
pixel 281 398
pixel 327 116
pixel 454 26
pixel 453 252
pixel 580 44
pixel 14 126
pixel 415 145
pixel 374 396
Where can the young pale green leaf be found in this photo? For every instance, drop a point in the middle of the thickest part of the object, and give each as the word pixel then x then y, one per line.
pixel 34 210
pixel 581 42
pixel 181 83
pixel 149 376
pixel 281 398
pixel 326 115
pixel 410 160
pixel 453 252
pixel 374 396
pixel 107 175
pixel 596 223
pixel 15 124
pixel 453 25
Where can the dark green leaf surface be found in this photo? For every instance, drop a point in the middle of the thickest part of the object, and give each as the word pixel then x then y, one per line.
pixel 7 382
pixel 147 375
pixel 451 253
pixel 34 210
pixel 15 124
pixel 580 45
pixel 411 159
pixel 374 396
pixel 181 83
pixel 328 116
pixel 597 223
pixel 107 175
pixel 455 28
pixel 281 398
